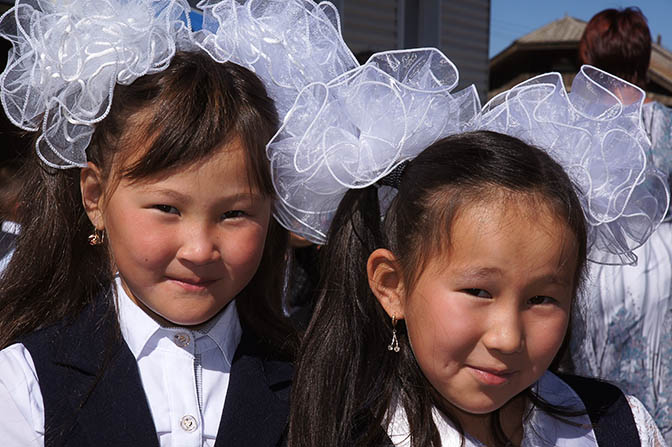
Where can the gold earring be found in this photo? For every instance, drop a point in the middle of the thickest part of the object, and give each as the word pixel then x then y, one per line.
pixel 394 344
pixel 97 237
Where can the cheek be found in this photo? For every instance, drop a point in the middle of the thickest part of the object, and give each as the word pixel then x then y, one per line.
pixel 243 248
pixel 544 336
pixel 147 248
pixel 442 330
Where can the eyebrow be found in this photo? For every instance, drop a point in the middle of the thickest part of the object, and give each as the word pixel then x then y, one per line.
pixel 479 272
pixel 183 197
pixel 170 193
pixel 552 278
pixel 487 272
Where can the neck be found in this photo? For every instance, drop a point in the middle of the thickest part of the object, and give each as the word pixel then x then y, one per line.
pixel 479 426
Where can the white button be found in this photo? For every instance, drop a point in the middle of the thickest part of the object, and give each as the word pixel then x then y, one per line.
pixel 188 423
pixel 182 339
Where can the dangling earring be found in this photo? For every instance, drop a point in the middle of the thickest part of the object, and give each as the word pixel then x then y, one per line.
pixel 394 344
pixel 97 237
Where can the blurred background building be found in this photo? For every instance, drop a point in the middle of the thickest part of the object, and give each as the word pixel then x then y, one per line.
pixel 459 28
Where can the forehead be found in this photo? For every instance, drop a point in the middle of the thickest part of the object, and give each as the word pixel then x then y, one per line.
pixel 144 149
pixel 515 237
pixel 226 169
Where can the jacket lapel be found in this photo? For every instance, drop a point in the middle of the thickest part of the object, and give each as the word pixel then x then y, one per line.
pixel 257 401
pixel 100 386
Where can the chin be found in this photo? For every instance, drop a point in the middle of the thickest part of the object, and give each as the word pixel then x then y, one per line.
pixel 479 406
pixel 182 318
pixel 482 409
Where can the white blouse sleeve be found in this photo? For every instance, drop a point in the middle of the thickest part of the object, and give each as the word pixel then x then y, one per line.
pixel 21 404
pixel 649 435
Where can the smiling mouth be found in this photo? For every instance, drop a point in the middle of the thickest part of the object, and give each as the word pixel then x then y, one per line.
pixel 193 284
pixel 489 376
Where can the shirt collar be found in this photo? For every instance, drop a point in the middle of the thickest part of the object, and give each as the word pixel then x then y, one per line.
pixel 225 330
pixel 138 328
pixel 541 429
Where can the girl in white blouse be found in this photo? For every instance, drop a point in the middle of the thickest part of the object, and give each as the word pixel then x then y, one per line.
pixel 456 239
pixel 142 305
pixel 472 279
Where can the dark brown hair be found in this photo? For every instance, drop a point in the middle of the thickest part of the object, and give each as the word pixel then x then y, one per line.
pixel 346 379
pixel 187 112
pixel 619 42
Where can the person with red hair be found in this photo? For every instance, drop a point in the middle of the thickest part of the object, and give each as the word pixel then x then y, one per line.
pixel 618 41
pixel 627 340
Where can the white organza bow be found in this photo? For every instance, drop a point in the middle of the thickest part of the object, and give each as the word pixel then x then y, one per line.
pixel 352 131
pixel 67 57
pixel 287 43
pixel 595 133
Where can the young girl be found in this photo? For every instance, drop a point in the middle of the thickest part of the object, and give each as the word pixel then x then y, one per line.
pixel 440 324
pixel 142 306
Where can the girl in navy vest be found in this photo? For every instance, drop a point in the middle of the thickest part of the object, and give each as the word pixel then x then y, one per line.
pixel 442 323
pixel 142 306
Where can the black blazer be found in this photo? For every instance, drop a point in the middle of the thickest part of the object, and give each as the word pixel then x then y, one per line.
pixel 93 395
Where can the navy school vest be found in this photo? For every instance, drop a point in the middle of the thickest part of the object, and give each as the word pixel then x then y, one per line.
pixel 609 411
pixel 93 394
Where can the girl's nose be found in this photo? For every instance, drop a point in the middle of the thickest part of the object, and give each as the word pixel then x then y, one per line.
pixel 505 332
pixel 198 247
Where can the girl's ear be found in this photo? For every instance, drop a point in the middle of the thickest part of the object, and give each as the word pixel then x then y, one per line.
pixel 387 282
pixel 91 186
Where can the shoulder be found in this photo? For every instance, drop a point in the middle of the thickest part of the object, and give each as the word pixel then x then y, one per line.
pixel 649 434
pixel 15 360
pixel 80 342
pixel 596 392
pixel 617 419
pixel 21 401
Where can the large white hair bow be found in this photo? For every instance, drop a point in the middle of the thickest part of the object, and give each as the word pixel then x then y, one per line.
pixel 595 132
pixel 287 43
pixel 67 56
pixel 352 131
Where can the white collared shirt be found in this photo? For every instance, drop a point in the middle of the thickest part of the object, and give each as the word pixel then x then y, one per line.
pixel 540 429
pixel 185 375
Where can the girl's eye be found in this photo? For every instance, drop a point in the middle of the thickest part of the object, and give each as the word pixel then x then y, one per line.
pixel 167 209
pixel 541 299
pixel 480 293
pixel 233 213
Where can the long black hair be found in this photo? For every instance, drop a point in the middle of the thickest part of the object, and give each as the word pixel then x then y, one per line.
pixel 347 380
pixel 187 112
